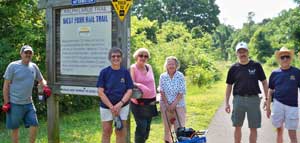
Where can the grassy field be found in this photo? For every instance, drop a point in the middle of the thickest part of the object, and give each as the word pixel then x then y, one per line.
pixel 84 126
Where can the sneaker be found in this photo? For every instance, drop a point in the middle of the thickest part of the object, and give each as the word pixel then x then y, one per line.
pixel 118 123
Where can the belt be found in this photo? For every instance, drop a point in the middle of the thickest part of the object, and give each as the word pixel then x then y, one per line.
pixel 247 95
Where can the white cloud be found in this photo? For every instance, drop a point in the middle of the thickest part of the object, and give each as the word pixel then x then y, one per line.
pixel 235 12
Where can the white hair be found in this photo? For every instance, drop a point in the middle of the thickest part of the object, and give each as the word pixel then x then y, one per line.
pixel 172 58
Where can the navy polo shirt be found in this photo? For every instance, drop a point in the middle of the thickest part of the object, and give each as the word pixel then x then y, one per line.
pixel 286 84
pixel 115 84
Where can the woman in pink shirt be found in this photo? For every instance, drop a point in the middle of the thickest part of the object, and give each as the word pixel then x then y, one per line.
pixel 143 108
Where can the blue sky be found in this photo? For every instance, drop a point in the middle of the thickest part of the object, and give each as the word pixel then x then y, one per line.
pixel 234 12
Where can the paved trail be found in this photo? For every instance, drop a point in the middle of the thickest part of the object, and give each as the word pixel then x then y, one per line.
pixel 220 129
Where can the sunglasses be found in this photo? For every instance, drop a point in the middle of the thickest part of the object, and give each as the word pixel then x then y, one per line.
pixel 28 52
pixel 116 56
pixel 285 57
pixel 145 56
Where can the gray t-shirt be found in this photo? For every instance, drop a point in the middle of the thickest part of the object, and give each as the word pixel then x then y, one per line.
pixel 22 79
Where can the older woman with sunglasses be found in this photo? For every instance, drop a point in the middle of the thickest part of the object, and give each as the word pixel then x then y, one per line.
pixel 143 108
pixel 114 89
pixel 172 104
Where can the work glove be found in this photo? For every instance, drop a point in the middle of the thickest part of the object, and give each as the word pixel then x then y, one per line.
pixel 6 107
pixel 47 91
pixel 172 120
pixel 118 123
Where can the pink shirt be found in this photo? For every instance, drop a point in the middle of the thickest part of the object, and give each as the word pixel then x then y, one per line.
pixel 145 81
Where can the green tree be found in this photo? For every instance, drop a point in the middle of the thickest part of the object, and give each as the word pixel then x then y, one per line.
pixel 222 39
pixel 151 9
pixel 260 47
pixel 174 38
pixel 193 13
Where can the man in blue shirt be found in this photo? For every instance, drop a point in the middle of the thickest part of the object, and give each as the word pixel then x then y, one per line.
pixel 283 85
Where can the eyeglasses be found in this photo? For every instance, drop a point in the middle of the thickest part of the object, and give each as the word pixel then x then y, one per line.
pixel 285 57
pixel 145 56
pixel 28 52
pixel 115 56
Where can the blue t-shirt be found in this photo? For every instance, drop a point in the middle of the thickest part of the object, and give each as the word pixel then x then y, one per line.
pixel 286 84
pixel 22 79
pixel 115 84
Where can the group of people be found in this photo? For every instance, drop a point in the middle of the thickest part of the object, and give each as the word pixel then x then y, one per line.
pixel 282 90
pixel 116 83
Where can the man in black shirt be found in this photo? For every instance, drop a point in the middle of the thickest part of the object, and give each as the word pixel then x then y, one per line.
pixel 244 76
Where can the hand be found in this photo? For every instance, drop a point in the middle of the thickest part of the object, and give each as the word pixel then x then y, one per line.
pixel 265 105
pixel 172 120
pixel 113 111
pixel 6 107
pixel 172 107
pixel 268 112
pixel 162 93
pixel 227 108
pixel 47 91
pixel 117 108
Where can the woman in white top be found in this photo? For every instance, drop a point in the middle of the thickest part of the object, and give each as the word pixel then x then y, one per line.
pixel 172 104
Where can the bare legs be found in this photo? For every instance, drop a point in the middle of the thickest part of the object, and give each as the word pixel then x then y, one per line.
pixel 107 132
pixel 32 134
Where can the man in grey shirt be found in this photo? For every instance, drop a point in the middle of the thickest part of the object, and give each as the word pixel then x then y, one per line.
pixel 19 80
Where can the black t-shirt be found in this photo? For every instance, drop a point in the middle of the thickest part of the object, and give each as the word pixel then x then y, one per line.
pixel 245 78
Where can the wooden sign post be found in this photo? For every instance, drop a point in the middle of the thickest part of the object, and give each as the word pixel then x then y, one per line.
pixel 80 34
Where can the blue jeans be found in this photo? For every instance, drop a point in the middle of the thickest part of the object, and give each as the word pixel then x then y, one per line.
pixel 21 113
pixel 142 129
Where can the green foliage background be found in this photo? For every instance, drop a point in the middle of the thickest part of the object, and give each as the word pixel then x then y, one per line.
pixel 174 39
pixel 263 38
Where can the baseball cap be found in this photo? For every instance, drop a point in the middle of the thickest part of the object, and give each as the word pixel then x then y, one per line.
pixel 241 45
pixel 26 48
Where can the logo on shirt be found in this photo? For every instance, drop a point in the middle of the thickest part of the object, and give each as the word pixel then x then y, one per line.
pixel 251 72
pixel 122 80
pixel 292 77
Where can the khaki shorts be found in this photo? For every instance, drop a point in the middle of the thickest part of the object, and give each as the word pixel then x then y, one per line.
pixel 249 105
pixel 106 115
pixel 284 114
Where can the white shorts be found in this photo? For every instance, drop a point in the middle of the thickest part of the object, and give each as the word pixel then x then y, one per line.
pixel 284 114
pixel 106 115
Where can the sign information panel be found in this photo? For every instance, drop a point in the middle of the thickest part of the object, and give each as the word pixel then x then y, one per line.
pixel 92 91
pixel 85 40
pixel 122 7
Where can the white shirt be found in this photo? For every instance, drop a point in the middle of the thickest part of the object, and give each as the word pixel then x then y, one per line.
pixel 173 86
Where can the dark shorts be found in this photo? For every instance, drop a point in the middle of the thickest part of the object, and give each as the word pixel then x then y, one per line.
pixel 19 114
pixel 249 105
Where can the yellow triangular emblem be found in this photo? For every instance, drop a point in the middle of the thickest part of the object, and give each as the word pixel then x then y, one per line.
pixel 121 7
